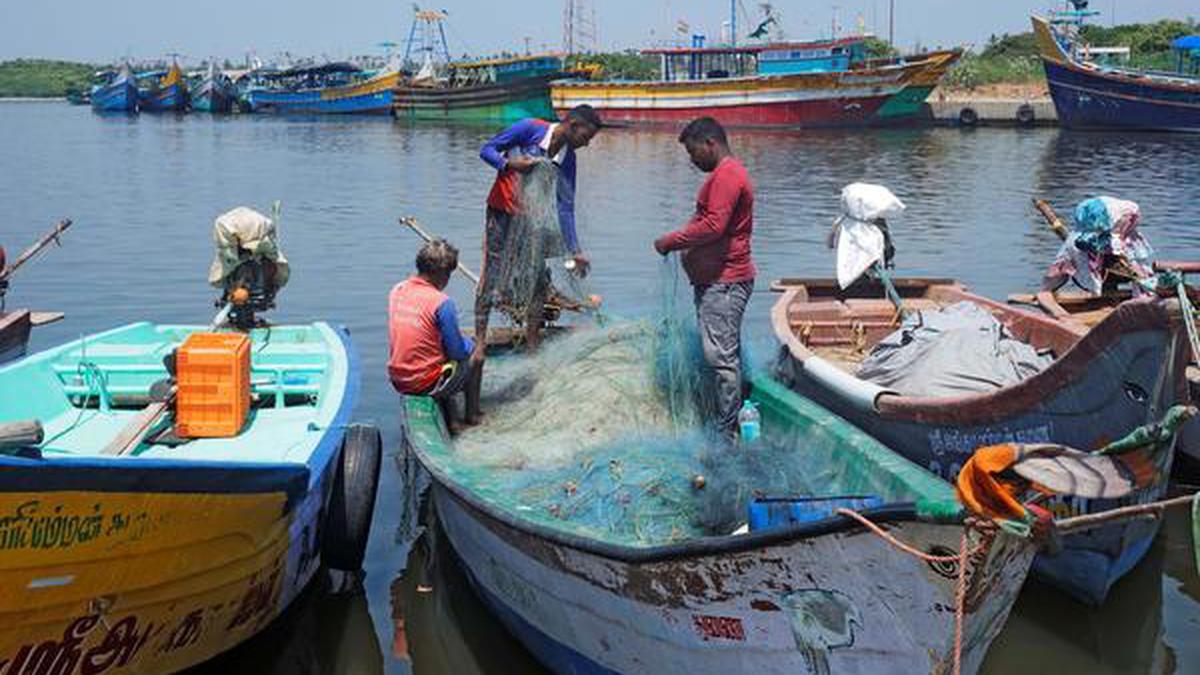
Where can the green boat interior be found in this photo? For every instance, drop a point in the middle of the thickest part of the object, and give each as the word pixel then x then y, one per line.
pixel 604 473
pixel 89 392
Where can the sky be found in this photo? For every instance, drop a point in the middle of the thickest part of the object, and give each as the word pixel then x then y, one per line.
pixel 143 29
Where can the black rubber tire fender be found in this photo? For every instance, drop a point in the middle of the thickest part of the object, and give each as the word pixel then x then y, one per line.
pixel 1026 115
pixel 967 117
pixel 352 501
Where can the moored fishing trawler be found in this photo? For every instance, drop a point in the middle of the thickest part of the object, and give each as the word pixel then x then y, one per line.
pixel 168 490
pixel 215 92
pixel 117 91
pixel 165 91
pixel 753 86
pixel 502 90
pixel 331 88
pixel 1091 95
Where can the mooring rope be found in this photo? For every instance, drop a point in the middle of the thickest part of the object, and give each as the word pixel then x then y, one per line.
pixel 963 555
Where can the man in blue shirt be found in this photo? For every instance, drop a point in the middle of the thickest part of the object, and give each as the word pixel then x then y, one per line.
pixel 514 151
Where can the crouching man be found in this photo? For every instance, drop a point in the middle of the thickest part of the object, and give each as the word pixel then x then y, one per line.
pixel 427 352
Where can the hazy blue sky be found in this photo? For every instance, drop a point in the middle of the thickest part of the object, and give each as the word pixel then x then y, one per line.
pixel 96 30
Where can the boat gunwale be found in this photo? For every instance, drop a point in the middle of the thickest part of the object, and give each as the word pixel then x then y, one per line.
pixel 1007 402
pixel 894 513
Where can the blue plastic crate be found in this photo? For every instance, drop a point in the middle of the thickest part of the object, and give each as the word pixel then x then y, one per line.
pixel 768 512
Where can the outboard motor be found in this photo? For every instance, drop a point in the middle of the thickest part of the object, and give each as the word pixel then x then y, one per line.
pixel 249 268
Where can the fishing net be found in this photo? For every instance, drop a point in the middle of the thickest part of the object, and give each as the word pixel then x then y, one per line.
pixel 602 433
pixel 534 237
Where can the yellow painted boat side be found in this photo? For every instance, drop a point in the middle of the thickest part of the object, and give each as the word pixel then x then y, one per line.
pixel 379 83
pixel 95 582
pixel 933 68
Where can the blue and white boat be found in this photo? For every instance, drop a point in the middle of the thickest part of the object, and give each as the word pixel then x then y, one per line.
pixel 1090 95
pixel 117 93
pixel 215 93
pixel 332 88
pixel 167 91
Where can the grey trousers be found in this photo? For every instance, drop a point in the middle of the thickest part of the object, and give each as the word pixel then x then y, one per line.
pixel 719 311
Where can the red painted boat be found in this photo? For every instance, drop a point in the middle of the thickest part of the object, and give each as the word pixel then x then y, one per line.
pixel 725 83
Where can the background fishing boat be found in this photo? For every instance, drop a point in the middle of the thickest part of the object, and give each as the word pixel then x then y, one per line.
pixel 1098 387
pixel 130 542
pixel 164 92
pixel 332 88
pixel 1088 95
pixel 908 102
pixel 507 89
pixel 215 92
pixel 774 600
pixel 754 86
pixel 118 91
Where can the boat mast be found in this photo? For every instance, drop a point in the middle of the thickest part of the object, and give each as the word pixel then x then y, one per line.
pixel 733 22
pixel 433 35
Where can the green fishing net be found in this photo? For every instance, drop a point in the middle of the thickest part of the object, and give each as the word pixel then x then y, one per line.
pixel 604 431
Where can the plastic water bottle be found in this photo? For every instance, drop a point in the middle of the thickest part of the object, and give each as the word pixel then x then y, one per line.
pixel 749 422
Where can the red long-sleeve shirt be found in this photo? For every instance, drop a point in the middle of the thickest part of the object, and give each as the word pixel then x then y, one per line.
pixel 716 241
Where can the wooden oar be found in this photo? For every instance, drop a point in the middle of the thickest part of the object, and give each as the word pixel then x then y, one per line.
pixel 51 236
pixel 136 430
pixel 412 223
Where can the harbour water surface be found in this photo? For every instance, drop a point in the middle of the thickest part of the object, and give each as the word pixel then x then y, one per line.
pixel 143 192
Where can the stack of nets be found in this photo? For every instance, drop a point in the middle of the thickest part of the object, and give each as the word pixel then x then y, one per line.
pixel 602 433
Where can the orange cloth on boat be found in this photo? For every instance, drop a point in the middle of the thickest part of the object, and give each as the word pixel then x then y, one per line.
pixel 982 491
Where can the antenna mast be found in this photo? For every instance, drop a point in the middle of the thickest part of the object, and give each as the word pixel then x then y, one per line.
pixel 579 27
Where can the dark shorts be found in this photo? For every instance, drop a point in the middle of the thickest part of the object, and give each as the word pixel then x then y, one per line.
pixel 496 280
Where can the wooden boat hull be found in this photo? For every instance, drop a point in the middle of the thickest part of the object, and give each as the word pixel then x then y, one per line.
pixel 776 601
pixel 1081 313
pixel 908 102
pixel 14 334
pixel 1105 384
pixel 371 97
pixel 171 98
pixel 120 96
pixel 116 564
pixel 848 98
pixel 1088 97
pixel 213 97
pixel 501 102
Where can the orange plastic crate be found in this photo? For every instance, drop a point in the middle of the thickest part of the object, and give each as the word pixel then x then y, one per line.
pixel 213 371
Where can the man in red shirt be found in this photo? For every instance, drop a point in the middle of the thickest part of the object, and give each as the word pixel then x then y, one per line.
pixel 715 246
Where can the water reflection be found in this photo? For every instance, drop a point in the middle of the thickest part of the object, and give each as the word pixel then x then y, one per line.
pixel 324 632
pixel 444 626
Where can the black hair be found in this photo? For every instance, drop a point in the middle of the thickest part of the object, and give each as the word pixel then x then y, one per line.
pixel 586 114
pixel 702 129
pixel 437 257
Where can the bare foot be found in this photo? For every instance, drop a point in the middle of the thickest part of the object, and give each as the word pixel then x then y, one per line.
pixel 475 420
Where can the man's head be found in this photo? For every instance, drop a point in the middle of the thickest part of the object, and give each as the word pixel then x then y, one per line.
pixel 706 143
pixel 436 262
pixel 581 125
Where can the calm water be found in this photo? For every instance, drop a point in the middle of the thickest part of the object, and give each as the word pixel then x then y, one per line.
pixel 143 193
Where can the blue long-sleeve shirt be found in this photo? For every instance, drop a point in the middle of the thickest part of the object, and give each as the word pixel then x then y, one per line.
pixel 532 137
pixel 457 345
